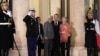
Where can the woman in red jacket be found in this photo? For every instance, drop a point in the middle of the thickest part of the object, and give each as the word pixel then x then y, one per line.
pixel 65 31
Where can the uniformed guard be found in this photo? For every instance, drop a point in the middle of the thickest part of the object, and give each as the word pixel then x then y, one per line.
pixel 6 37
pixel 32 32
pixel 90 35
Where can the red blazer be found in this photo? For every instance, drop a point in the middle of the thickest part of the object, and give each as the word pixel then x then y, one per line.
pixel 98 40
pixel 65 30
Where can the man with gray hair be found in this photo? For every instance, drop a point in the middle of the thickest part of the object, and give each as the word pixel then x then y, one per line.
pixel 48 36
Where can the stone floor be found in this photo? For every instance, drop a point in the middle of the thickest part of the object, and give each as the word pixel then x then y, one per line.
pixel 24 53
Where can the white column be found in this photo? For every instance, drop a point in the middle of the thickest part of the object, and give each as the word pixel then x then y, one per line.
pixel 66 8
pixel 44 9
pixel 77 15
pixel 55 6
pixel 99 11
pixel 35 4
pixel 20 9
pixel 91 2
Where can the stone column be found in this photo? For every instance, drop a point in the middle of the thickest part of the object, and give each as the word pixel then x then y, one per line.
pixel 99 11
pixel 44 9
pixel 91 3
pixel 35 4
pixel 20 9
pixel 77 15
pixel 55 8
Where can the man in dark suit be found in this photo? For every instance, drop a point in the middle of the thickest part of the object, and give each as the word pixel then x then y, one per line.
pixel 56 41
pixel 40 36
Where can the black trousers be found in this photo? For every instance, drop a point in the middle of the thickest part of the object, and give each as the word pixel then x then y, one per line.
pixel 65 46
pixel 40 46
pixel 48 47
pixel 92 52
pixel 4 52
pixel 56 47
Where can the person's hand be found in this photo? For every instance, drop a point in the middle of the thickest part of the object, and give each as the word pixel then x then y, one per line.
pixel 9 13
pixel 46 38
pixel 43 41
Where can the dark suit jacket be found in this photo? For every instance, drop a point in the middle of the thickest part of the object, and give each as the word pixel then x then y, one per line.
pixel 56 29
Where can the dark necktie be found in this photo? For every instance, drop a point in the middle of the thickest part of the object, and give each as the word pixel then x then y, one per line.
pixel 56 23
